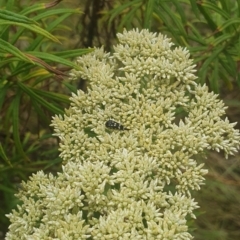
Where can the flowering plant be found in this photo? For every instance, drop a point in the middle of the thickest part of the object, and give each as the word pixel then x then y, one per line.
pixel 129 147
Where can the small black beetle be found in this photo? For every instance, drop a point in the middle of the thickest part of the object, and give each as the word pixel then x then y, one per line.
pixel 115 125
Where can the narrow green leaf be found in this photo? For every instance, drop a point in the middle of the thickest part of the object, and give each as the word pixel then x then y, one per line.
pixel 15 17
pixel 198 50
pixel 9 48
pixel 4 156
pixel 49 28
pixel 224 73
pixel 55 12
pixel 15 117
pixel 15 36
pixel 194 8
pixel 70 87
pixel 6 61
pixel 197 36
pixel 40 100
pixel 40 112
pixel 229 64
pixel 226 5
pixel 33 28
pixel 4 188
pixel 149 14
pixel 238 7
pixel 33 8
pixel 53 58
pixel 45 15
pixel 215 9
pixel 53 162
pixel 199 58
pixel 4 88
pixel 176 21
pixel 229 22
pixel 51 95
pixel 209 60
pixel 127 19
pixel 221 39
pixel 73 53
pixel 9 4
pixel 207 16
pixel 214 77
pixel 25 67
pixel 117 10
pixel 180 10
pixel 165 19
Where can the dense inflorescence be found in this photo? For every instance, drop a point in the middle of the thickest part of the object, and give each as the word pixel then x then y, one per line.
pixel 129 147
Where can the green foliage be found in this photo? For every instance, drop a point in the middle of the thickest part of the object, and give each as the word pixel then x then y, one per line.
pixel 209 29
pixel 219 201
pixel 32 75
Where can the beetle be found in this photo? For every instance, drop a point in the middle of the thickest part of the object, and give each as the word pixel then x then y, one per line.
pixel 115 125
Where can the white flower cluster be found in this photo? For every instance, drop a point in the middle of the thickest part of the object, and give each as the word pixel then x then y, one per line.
pixel 129 147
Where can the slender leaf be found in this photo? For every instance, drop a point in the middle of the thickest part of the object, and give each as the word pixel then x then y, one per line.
pixel 53 58
pixel 70 87
pixel 221 39
pixel 4 156
pixel 229 64
pixel 38 74
pixel 117 10
pixel 33 28
pixel 73 53
pixel 4 87
pixel 214 79
pixel 9 48
pixel 4 188
pixel 177 23
pixel 55 12
pixel 15 118
pixel 209 60
pixel 195 8
pixel 181 11
pixel 228 23
pixel 165 19
pixel 44 15
pixel 14 17
pixel 238 7
pixel 128 18
pixel 49 28
pixel 149 14
pixel 207 16
pixel 40 100
pixel 225 5
pixel 51 95
pixel 40 112
pixel 215 9
pixel 33 8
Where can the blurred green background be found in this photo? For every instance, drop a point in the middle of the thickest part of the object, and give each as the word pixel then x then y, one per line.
pixel 38 43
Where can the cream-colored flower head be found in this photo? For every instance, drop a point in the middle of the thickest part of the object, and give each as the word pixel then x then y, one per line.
pixel 129 147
